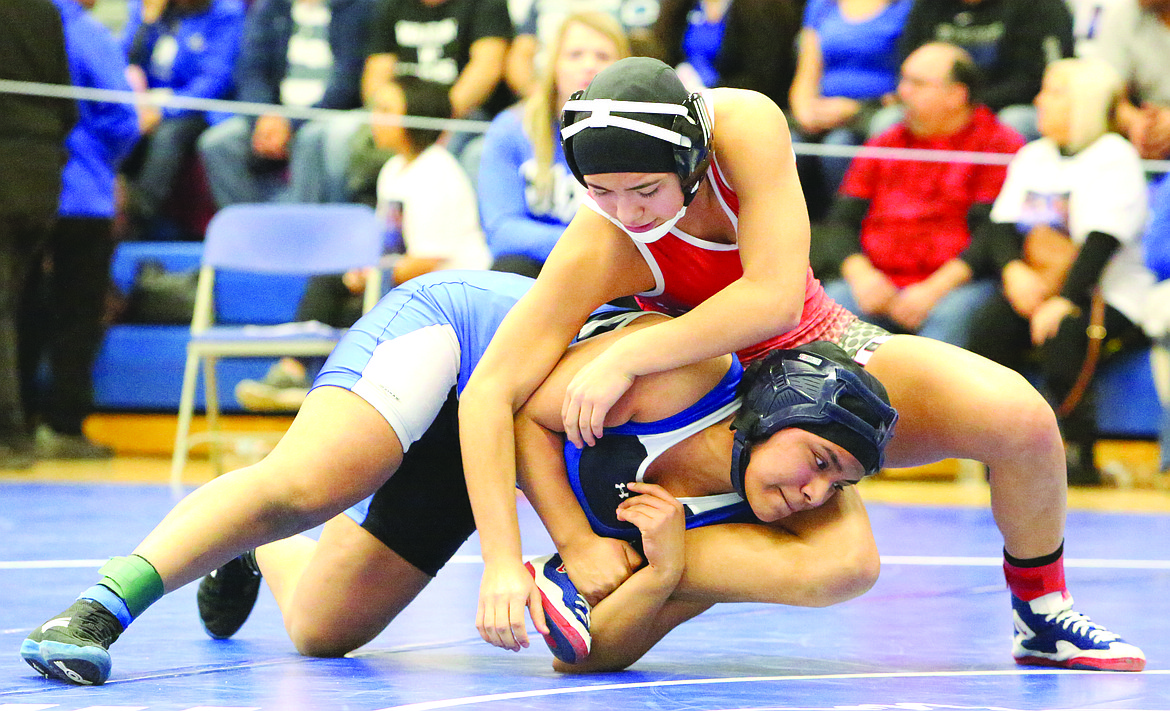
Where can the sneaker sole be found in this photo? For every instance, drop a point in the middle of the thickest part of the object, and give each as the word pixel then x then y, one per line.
pixel 565 638
pixel 67 662
pixel 1121 664
pixel 265 398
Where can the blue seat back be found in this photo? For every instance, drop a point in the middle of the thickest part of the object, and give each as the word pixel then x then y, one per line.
pixel 283 238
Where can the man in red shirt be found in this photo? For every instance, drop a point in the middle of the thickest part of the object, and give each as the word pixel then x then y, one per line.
pixel 908 232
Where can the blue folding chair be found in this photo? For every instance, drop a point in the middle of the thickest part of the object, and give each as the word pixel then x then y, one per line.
pixel 270 238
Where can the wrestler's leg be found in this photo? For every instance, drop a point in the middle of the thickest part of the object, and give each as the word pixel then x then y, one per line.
pixel 813 558
pixel 337 451
pixel 953 403
pixel 341 591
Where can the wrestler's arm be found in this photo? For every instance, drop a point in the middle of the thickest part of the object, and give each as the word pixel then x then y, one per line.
pixel 596 565
pixel 631 620
pixel 589 266
pixel 814 559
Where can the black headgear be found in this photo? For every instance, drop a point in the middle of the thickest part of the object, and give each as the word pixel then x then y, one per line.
pixel 816 387
pixel 637 117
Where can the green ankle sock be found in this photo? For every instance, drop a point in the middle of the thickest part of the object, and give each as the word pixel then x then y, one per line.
pixel 133 579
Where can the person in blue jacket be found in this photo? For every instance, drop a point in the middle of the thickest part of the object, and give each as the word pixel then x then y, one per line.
pixel 527 194
pixel 64 300
pixel 301 53
pixel 374 454
pixel 183 48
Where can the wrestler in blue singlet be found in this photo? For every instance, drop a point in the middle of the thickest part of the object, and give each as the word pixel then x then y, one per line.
pixel 599 474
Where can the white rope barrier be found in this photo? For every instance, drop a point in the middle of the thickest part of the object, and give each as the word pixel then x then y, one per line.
pixel 159 99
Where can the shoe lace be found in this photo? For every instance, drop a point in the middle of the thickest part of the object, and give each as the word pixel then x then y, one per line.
pixel 1080 624
pixel 97 626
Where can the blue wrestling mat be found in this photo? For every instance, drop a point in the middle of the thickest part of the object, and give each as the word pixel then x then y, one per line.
pixel 933 634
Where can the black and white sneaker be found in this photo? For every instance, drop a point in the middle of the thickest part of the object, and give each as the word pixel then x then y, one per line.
pixel 228 594
pixel 73 646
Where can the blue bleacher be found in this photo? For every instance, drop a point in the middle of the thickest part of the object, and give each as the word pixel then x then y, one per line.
pixel 140 366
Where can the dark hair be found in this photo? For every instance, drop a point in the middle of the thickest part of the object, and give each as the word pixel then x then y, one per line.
pixel 965 71
pixel 424 99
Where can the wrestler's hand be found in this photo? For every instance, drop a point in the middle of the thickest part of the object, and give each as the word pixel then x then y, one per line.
pixel 662 520
pixel 590 395
pixel 503 593
pixel 597 566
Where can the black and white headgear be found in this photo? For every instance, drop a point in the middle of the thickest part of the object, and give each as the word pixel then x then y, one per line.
pixel 816 387
pixel 637 117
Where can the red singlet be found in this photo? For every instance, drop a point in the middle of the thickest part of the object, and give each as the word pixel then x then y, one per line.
pixel 688 271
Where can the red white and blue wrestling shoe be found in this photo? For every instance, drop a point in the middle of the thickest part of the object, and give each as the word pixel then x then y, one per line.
pixel 1049 633
pixel 565 610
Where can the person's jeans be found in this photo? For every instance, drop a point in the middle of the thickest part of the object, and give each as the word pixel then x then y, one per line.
pixel 22 237
pixel 1160 361
pixel 162 157
pixel 949 321
pixel 320 160
pixel 318 155
pixel 226 152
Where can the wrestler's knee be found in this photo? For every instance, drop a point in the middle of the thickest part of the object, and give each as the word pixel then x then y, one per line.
pixel 318 638
pixel 1027 426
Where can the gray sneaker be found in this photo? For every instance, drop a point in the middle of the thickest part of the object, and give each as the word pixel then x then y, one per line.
pixel 279 391
pixel 51 444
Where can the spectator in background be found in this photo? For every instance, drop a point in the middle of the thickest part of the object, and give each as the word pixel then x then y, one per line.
pixel 296 53
pixel 1135 39
pixel 1079 195
pixel 460 43
pixel 1011 41
pixel 542 22
pixel 428 205
pixel 746 44
pixel 62 316
pixel 846 67
pixel 527 194
pixel 182 48
pixel 1156 320
pixel 32 156
pixel 912 234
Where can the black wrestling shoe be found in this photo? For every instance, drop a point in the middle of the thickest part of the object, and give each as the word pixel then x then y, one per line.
pixel 228 594
pixel 73 646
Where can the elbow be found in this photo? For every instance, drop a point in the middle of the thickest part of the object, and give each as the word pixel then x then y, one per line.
pixel 855 574
pixel 781 320
pixel 852 580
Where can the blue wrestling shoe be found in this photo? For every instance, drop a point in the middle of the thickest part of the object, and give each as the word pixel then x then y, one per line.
pixel 73 646
pixel 1050 634
pixel 565 610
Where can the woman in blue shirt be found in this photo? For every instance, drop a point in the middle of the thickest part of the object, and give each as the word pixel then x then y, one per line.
pixel 527 194
pixel 847 65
